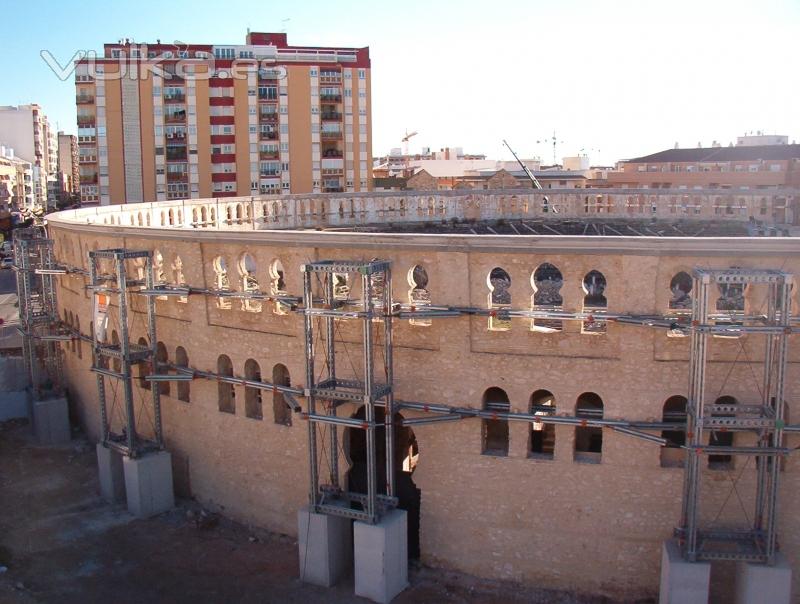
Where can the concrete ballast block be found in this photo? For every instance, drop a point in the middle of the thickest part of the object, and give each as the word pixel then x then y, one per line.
pixel 13 405
pixel 112 476
pixel 325 545
pixel 381 557
pixel 682 582
pixel 148 483
pixel 762 584
pixel 51 421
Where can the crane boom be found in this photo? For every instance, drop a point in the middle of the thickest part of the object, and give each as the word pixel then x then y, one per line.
pixel 536 183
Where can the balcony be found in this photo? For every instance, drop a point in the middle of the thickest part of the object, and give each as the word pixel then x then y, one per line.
pixel 330 77
pixel 84 99
pixel 332 116
pixel 176 153
pixel 179 137
pixel 177 176
pixel 331 135
pixel 269 173
pixel 88 179
pixel 86 121
pixel 269 155
pixel 269 136
pixel 87 159
pixel 175 118
pixel 333 153
pixel 332 190
pixel 333 98
pixel 269 95
pixel 175 97
pixel 269 117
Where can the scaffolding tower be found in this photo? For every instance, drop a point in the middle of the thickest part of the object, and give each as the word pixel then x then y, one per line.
pixel 40 326
pixel 331 304
pixel 765 418
pixel 112 276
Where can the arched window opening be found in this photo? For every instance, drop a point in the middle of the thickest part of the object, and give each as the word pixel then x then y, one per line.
pixel 281 411
pixel 418 295
pixel 247 271
pixel 203 217
pixel 252 396
pixel 681 289
pixel 589 439
pixel 495 431
pixel 71 322
pixel 221 281
pixel 79 341
pixel 722 408
pixel 543 436
pixel 194 217
pixel 147 218
pixel 178 278
pixel 171 215
pixel 547 281
pixel 239 213
pixel 594 301
pixel 184 386
pixel 672 455
pixel 730 303
pixel 159 274
pixel 143 367
pixel 277 285
pixel 212 216
pixel 499 284
pixel 116 363
pixel 226 393
pixel 162 367
pixel 341 286
pixel 140 219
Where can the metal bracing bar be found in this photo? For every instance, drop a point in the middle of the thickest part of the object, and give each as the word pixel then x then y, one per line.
pixel 723 450
pixel 421 421
pixel 641 435
pixel 330 359
pixel 101 389
pixel 107 372
pixel 336 421
pixel 369 406
pixel 312 408
pixel 389 415
pixel 125 350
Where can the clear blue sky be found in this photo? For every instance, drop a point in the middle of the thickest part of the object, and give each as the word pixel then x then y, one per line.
pixel 615 78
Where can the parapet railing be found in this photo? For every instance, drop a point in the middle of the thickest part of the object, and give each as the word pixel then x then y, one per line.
pixel 774 207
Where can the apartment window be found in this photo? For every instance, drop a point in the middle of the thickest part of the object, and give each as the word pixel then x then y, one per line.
pixel 284 109
pixel 362 74
pixel 752 168
pixel 284 90
pixel 362 147
pixel 284 128
pixel 156 90
pixel 348 74
pixel 285 147
pixel 313 72
pixel 115 53
pixel 224 53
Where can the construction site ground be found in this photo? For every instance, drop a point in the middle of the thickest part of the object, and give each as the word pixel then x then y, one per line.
pixel 60 542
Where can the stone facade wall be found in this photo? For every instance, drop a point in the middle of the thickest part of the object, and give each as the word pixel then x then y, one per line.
pixel 557 523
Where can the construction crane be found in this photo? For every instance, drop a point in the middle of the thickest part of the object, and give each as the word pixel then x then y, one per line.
pixel 405 140
pixel 536 184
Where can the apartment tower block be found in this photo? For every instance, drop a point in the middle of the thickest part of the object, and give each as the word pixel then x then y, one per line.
pixel 171 121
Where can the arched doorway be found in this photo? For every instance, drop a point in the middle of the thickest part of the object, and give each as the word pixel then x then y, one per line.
pixel 406 456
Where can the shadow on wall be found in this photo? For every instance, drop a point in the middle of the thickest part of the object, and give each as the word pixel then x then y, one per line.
pixel 406 457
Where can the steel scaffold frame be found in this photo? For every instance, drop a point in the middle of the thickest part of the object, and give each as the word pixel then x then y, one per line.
pixel 757 542
pixel 40 325
pixel 375 305
pixel 116 283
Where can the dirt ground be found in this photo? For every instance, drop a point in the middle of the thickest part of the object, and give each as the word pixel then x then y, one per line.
pixel 59 542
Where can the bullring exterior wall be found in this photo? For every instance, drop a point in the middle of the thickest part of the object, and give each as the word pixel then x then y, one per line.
pixel 556 523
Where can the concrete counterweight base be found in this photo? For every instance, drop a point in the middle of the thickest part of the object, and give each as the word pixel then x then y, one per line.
pixel 325 545
pixel 682 582
pixel 112 476
pixel 51 421
pixel 148 483
pixel 762 584
pixel 381 557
